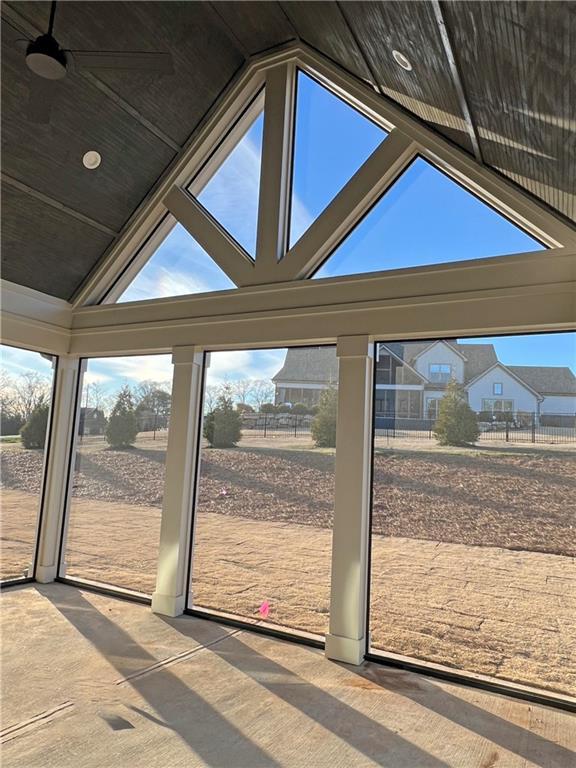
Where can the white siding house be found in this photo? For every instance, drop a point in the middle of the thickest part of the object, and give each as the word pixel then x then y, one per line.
pixel 499 390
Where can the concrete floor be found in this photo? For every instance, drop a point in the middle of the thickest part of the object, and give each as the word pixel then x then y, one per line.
pixel 89 680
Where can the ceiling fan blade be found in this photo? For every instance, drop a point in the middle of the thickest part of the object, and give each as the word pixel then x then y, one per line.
pixel 150 62
pixel 40 99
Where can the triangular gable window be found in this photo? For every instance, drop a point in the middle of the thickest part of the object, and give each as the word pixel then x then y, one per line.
pixel 331 141
pixel 231 195
pixel 178 266
pixel 424 218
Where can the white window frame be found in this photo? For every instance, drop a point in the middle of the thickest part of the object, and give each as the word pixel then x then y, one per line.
pixel 439 377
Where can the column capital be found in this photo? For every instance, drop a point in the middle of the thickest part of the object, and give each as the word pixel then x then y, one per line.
pixel 186 355
pixel 68 362
pixel 354 346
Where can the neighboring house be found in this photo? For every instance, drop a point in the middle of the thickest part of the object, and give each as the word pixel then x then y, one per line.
pixel 411 380
pixel 92 421
pixel 306 372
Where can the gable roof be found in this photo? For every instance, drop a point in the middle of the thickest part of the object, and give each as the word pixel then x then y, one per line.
pixel 425 348
pixel 49 197
pixel 478 357
pixel 547 380
pixel 313 364
pixel 506 370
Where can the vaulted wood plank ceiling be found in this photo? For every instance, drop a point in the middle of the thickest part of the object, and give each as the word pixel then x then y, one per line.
pixel 498 79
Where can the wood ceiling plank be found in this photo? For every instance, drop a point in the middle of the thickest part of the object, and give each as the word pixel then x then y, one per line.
pixel 48 158
pixel 428 90
pixel 205 59
pixel 322 25
pixel 257 25
pixel 521 84
pixel 43 247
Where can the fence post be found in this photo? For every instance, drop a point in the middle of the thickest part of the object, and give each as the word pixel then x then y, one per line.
pixel 507 431
pixel 295 424
pixel 533 427
pixel 265 423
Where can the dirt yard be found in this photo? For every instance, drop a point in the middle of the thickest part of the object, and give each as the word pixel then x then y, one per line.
pixel 473 552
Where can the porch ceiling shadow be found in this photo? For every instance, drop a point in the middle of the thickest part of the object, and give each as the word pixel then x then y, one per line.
pixel 467 82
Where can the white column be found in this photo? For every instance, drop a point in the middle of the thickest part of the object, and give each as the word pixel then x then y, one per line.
pixel 169 597
pixel 57 465
pixel 346 640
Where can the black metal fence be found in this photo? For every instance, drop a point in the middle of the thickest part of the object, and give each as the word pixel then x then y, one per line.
pixel 517 427
pixel 276 424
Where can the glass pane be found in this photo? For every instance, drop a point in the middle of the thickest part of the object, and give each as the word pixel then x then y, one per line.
pixel 331 141
pixel 265 502
pixel 113 528
pixel 179 266
pixel 26 380
pixel 231 195
pixel 473 519
pixel 425 218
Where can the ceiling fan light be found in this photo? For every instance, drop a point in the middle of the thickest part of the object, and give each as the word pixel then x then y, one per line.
pixel 46 59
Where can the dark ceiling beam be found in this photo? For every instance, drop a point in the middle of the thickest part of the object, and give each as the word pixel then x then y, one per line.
pixel 456 78
pixel 19 185
pixel 22 25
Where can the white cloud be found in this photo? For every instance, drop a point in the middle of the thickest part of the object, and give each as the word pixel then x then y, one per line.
pixel 16 362
pixel 130 370
pixel 244 364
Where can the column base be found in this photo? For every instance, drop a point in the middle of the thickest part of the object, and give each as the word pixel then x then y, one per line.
pixel 46 573
pixel 168 605
pixel 346 649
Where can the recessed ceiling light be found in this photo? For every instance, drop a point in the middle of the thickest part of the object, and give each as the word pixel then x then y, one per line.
pixel 402 60
pixel 91 159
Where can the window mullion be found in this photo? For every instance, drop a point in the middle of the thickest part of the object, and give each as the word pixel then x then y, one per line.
pixel 273 206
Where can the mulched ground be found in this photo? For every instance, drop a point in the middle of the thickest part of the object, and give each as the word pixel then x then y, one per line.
pixel 518 500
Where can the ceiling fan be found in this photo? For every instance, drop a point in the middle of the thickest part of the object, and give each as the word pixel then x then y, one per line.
pixel 50 63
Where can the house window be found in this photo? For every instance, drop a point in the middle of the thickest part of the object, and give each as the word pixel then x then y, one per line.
pixel 497 388
pixel 432 407
pixel 440 372
pixel 498 405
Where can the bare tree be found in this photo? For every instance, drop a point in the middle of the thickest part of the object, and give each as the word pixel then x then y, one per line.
pixel 7 395
pixel 242 390
pixel 98 397
pixel 30 391
pixel 262 392
pixel 211 394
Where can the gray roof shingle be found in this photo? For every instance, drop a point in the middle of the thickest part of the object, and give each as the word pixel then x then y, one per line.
pixel 547 380
pixel 314 364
